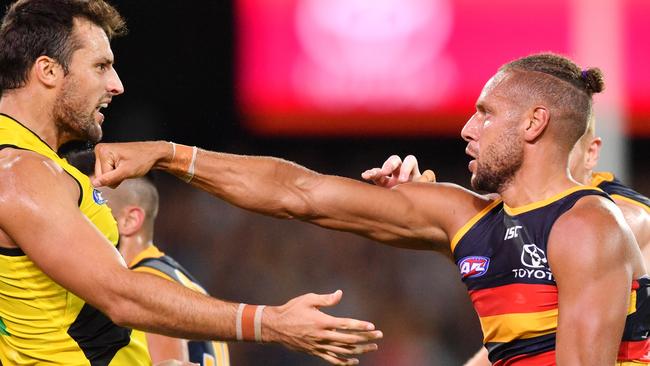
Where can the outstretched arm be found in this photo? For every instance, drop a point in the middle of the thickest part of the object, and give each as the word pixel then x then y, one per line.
pixel 594 258
pixel 419 216
pixel 36 193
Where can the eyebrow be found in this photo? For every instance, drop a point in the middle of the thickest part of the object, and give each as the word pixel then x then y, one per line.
pixel 106 60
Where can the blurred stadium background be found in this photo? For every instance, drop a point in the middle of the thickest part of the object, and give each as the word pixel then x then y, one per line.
pixel 338 85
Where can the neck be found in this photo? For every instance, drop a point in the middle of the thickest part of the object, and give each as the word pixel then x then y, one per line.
pixel 131 246
pixel 33 110
pixel 540 177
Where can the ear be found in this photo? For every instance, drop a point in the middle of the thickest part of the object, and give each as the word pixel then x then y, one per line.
pixel 536 123
pixel 47 71
pixel 131 220
pixel 593 153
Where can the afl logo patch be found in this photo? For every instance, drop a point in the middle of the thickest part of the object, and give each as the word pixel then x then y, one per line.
pixel 474 266
pixel 97 197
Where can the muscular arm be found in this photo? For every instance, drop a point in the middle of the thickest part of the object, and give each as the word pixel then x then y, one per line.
pixel 593 257
pixel 39 213
pixel 419 216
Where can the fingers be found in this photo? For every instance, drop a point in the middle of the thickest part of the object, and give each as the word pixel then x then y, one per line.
pixel 391 165
pixel 409 169
pixel 386 176
pixel 349 350
pixel 111 178
pixel 346 338
pixel 335 359
pixel 105 167
pixel 427 177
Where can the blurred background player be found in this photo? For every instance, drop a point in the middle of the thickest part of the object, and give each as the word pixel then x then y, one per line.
pixel 582 162
pixel 134 205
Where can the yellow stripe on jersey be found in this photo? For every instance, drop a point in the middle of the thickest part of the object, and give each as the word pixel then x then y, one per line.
pixel 632 304
pixel 153 272
pixel 535 205
pixel 508 327
pixel 463 230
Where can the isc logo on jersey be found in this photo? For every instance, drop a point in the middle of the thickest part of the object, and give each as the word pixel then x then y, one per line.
pixel 474 266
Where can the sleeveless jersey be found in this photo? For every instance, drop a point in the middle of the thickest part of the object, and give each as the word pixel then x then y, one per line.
pixel 612 186
pixel 42 322
pixel 501 254
pixel 152 260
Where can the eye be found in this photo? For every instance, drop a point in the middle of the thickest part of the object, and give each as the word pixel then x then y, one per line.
pixel 102 67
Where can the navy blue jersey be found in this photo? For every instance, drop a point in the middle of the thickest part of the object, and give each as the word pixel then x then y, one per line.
pixel 501 255
pixel 613 187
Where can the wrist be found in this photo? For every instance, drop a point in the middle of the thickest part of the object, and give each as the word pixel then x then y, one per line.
pixel 248 322
pixel 180 162
pixel 164 153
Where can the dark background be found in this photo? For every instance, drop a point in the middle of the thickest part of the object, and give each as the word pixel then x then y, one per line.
pixel 177 65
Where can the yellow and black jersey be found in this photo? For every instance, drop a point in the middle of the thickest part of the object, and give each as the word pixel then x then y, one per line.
pixel 501 255
pixel 42 322
pixel 613 187
pixel 152 260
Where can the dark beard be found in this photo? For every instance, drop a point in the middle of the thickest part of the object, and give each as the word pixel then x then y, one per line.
pixel 71 120
pixel 504 160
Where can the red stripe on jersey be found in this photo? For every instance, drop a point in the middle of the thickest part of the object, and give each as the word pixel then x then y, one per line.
pixel 634 351
pixel 542 359
pixel 515 298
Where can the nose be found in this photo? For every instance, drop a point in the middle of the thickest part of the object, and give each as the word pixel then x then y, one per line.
pixel 470 131
pixel 114 84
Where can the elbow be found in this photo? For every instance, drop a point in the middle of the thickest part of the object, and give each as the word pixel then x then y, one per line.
pixel 116 301
pixel 120 313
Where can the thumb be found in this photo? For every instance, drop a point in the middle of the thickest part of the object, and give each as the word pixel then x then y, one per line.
pixel 111 179
pixel 427 177
pixel 329 299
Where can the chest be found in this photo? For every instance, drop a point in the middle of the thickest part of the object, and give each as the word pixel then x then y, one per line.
pixel 502 249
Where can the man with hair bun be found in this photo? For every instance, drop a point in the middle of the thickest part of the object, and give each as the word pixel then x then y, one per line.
pixel 551 267
pixel 582 162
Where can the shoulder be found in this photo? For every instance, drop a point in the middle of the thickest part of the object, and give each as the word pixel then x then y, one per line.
pixel 25 174
pixel 591 215
pixel 593 231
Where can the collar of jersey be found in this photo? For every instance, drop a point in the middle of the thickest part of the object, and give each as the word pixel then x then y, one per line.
pixel 545 202
pixel 10 118
pixel 599 177
pixel 150 252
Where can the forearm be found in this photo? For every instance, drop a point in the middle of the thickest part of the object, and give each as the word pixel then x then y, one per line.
pixel 267 185
pixel 153 304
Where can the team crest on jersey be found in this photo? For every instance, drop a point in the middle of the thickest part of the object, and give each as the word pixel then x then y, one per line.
pixel 97 197
pixel 474 266
pixel 533 257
